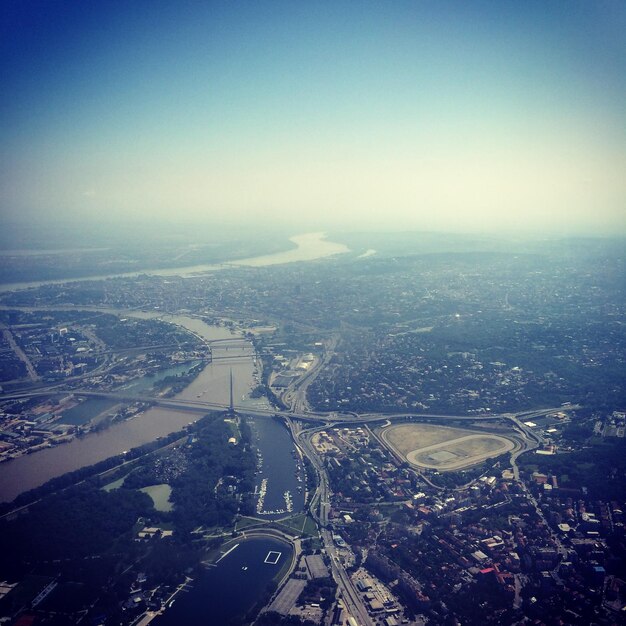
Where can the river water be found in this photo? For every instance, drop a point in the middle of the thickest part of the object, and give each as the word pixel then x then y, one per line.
pixel 310 246
pixel 280 469
pixel 231 588
pixel 93 407
pixel 87 410
pixel 212 385
pixel 236 354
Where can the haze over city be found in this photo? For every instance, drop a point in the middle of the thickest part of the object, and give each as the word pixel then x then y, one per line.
pixel 312 313
pixel 444 116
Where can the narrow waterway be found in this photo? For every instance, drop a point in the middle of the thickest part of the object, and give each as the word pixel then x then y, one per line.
pixel 280 479
pixel 86 411
pixel 146 383
pixel 91 408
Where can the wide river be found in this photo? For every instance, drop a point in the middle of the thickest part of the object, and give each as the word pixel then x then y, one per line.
pixel 310 246
pixel 231 588
pixel 271 438
pixel 211 385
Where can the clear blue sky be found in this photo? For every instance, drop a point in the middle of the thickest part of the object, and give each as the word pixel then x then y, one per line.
pixel 423 115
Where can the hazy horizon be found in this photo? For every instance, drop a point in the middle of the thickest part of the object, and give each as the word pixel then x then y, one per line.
pixel 495 118
pixel 109 235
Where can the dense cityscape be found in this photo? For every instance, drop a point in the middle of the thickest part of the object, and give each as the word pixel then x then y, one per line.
pixel 456 424
pixel 312 313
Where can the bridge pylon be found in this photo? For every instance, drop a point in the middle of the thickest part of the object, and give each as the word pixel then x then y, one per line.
pixel 231 404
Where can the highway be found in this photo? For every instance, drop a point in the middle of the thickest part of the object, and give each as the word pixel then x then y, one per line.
pixel 305 416
pixel 294 396
pixel 319 503
pixel 303 424
pixel 21 355
pixel 319 507
pixel 345 587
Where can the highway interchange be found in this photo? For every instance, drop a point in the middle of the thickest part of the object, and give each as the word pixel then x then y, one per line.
pixel 303 424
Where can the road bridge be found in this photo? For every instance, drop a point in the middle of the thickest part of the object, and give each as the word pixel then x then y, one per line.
pixel 309 416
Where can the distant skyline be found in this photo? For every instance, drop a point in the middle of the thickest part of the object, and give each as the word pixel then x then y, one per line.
pixel 443 116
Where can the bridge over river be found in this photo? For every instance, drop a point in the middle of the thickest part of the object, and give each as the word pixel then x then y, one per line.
pixel 201 406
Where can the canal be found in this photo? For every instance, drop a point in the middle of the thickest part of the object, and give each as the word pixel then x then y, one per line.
pixel 87 410
pixel 231 588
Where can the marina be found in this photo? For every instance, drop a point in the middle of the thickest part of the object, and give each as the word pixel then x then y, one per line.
pixel 280 476
pixel 288 508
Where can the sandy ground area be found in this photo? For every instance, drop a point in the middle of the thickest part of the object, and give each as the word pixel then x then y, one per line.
pixel 408 437
pixel 444 448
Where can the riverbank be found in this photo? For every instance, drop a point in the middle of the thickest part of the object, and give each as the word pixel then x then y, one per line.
pixel 212 385
pixel 310 246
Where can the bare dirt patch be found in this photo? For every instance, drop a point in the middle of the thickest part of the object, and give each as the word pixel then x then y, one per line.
pixel 408 437
pixel 442 447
